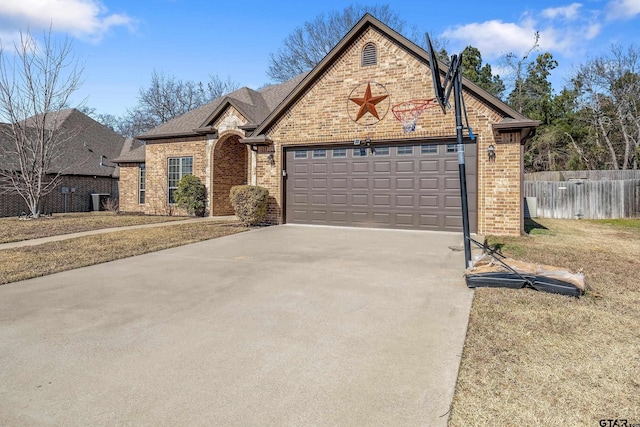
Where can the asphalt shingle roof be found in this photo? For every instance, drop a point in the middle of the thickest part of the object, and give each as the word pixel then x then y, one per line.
pixel 254 105
pixel 89 148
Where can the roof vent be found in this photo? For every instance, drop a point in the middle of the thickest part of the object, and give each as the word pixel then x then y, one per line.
pixel 369 55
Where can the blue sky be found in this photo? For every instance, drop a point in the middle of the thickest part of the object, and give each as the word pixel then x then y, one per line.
pixel 121 42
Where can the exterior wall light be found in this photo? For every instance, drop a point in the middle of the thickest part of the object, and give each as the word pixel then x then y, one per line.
pixel 491 151
pixel 271 159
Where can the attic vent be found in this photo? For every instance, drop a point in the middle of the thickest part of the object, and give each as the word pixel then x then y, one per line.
pixel 369 55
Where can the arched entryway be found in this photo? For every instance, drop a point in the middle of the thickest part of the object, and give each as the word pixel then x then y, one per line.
pixel 230 168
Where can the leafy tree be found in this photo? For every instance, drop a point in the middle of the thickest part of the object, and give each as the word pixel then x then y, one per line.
pixel 481 75
pixel 306 46
pixel 191 195
pixel 518 64
pixel 36 84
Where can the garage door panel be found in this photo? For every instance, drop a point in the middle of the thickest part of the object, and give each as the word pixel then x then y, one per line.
pixel 360 200
pixel 339 168
pixel 300 199
pixel 404 220
pixel 319 200
pixel 339 183
pixel 360 183
pixel 427 166
pixel 360 167
pixel 300 184
pixel 381 183
pixel 301 169
pixel 339 200
pixel 417 189
pixel 381 218
pixel 319 183
pixel 381 167
pixel 359 217
pixel 404 183
pixel 404 201
pixel 405 166
pixel 381 201
pixel 429 221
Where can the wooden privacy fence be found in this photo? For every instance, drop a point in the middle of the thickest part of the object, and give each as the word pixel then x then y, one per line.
pixel 596 175
pixel 585 199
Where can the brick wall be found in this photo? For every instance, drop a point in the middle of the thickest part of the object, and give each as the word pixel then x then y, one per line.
pixel 129 188
pixel 230 167
pixel 321 115
pixel 156 160
pixel 54 202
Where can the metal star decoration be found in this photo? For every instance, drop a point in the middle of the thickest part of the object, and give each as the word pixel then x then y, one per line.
pixel 368 103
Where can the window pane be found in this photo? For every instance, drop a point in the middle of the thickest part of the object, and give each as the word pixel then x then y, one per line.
pixel 187 166
pixel 359 152
pixel 340 152
pixel 381 151
pixel 143 184
pixel 404 150
pixel 451 148
pixel 300 154
pixel 429 149
pixel 319 153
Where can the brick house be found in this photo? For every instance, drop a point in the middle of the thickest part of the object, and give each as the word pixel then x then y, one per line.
pixel 85 162
pixel 331 152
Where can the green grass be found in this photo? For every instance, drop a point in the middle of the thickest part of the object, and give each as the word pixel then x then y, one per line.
pixel 622 223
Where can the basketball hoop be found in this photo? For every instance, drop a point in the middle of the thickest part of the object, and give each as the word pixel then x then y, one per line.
pixel 408 112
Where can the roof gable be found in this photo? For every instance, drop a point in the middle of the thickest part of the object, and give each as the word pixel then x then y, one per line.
pixel 367 22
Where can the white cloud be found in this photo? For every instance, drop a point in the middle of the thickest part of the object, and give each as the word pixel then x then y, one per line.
pixel 622 9
pixel 86 19
pixel 570 12
pixel 496 38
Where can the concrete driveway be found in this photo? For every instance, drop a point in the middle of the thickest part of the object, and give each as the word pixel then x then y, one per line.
pixel 284 325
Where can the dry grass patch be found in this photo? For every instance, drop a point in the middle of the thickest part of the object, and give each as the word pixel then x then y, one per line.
pixel 533 358
pixel 33 261
pixel 15 230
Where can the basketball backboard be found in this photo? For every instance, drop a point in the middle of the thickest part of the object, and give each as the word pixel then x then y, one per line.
pixel 435 76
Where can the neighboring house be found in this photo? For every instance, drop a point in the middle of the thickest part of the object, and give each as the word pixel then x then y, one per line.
pixel 330 150
pixel 86 164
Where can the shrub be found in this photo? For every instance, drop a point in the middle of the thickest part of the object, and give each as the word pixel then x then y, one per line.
pixel 191 195
pixel 249 203
pixel 111 205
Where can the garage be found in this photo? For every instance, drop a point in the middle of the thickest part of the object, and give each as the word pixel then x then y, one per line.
pixel 406 186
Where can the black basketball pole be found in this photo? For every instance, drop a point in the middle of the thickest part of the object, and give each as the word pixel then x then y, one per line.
pixel 457 95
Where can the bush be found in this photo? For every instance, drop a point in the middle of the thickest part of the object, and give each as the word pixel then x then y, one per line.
pixel 191 195
pixel 249 203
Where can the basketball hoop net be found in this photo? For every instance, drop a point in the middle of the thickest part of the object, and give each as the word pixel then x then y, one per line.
pixel 408 112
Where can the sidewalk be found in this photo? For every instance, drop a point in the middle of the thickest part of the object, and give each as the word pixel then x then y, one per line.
pixel 35 242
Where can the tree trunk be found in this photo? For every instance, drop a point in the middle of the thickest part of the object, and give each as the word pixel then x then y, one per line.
pixel 612 152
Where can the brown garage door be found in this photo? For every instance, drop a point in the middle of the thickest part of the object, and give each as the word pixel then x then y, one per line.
pixel 413 186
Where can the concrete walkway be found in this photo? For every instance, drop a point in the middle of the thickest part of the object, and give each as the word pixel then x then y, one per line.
pixel 278 326
pixel 34 242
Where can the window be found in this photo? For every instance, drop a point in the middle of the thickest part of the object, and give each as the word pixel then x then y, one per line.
pixel 381 151
pixel 319 153
pixel 405 150
pixel 429 149
pixel 369 55
pixel 339 152
pixel 142 185
pixel 359 152
pixel 451 148
pixel 300 154
pixel 178 167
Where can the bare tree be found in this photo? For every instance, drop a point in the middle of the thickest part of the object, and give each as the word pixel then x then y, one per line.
pixel 36 83
pixel 609 95
pixel 306 46
pixel 168 97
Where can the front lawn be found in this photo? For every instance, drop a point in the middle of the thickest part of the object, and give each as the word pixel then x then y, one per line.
pixel 533 358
